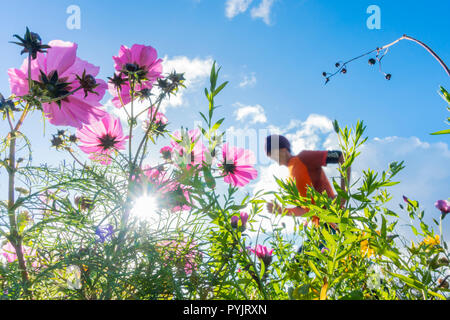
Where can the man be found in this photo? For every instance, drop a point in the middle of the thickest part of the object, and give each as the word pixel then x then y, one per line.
pixel 305 168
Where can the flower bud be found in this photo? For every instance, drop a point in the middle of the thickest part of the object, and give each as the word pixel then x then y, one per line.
pixel 57 142
pixel 443 261
pixel 73 138
pixel 234 222
pixel 443 283
pixel 83 203
pixel 443 206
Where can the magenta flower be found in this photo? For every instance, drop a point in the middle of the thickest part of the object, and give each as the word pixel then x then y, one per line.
pixel 235 220
pixel 58 72
pixel 263 253
pixel 102 138
pixel 237 165
pixel 140 58
pixel 443 206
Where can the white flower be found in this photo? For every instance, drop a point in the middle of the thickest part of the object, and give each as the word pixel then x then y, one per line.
pixel 73 274
pixel 374 276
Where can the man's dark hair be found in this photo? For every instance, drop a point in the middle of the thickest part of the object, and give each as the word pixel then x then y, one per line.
pixel 276 141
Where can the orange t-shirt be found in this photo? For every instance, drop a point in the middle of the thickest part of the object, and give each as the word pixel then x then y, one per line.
pixel 306 168
pixel 299 172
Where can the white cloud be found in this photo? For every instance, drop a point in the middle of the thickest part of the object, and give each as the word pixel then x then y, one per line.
pixel 248 81
pixel 253 114
pixel 308 134
pixel 235 7
pixel 263 10
pixel 196 71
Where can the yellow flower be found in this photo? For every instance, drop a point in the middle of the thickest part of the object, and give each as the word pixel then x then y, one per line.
pixel 347 263
pixel 431 241
pixel 366 250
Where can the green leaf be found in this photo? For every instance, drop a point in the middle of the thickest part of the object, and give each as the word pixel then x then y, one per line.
pixel 383 227
pixel 219 88
pixel 217 124
pixel 447 131
pixel 445 95
pixel 413 283
pixel 209 179
pixel 438 295
pixel 414 230
pixel 203 116
pixel 331 243
pixel 213 77
pixel 340 192
pixel 237 207
pixel 314 269
pixel 354 295
pixel 336 126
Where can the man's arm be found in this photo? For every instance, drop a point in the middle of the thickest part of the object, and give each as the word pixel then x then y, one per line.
pixel 297 211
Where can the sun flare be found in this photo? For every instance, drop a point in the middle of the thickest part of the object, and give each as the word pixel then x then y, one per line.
pixel 146 207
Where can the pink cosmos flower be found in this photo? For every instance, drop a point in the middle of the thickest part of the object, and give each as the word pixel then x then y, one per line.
pixel 100 139
pixel 443 205
pixel 59 67
pixel 138 57
pixel 238 165
pixel 197 155
pixel 159 118
pixel 183 254
pixel 152 173
pixel 178 198
pixel 166 152
pixel 173 195
pixel 9 252
pixel 263 253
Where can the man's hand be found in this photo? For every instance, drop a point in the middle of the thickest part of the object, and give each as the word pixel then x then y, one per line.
pixel 272 206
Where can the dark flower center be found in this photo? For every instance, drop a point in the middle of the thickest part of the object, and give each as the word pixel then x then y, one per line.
pixel 107 141
pixel 229 167
pixel 53 86
pixel 131 67
pixel 135 71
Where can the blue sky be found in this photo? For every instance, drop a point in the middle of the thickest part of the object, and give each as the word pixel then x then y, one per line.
pixel 274 63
